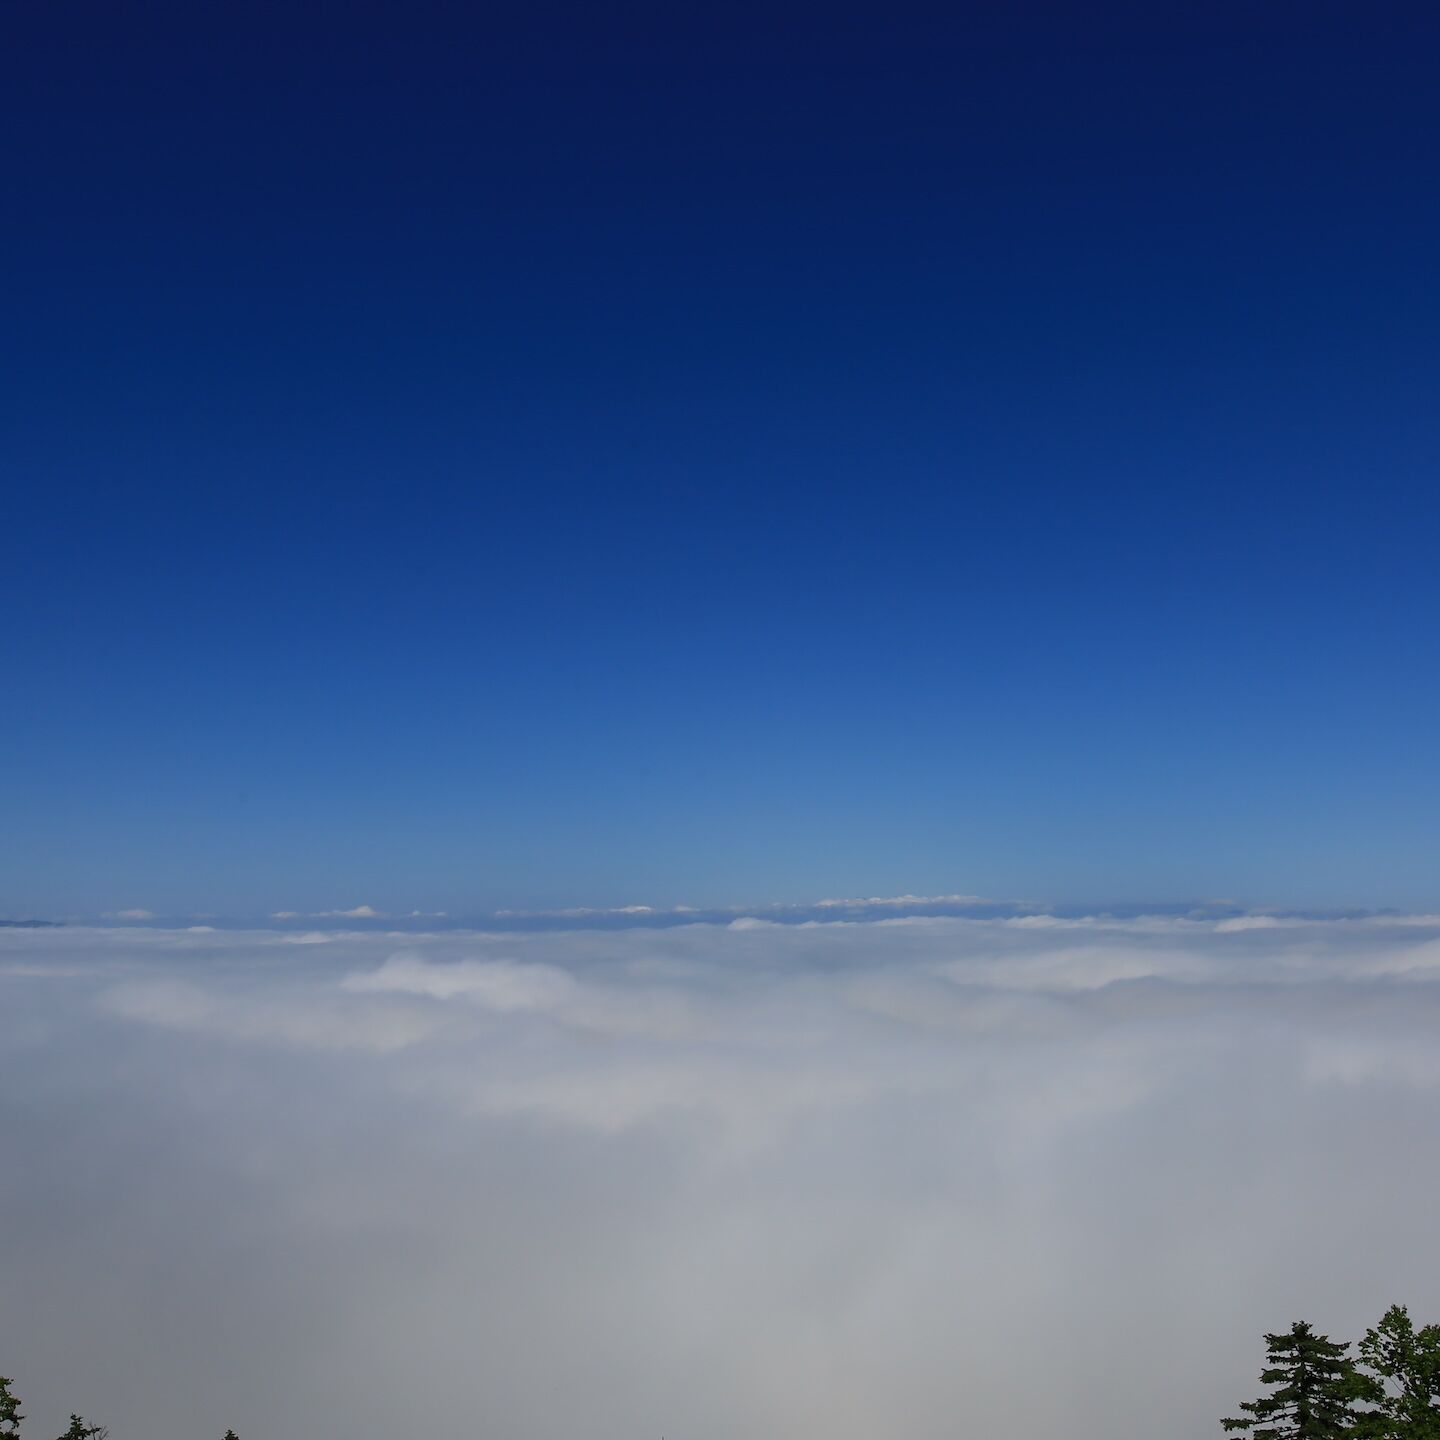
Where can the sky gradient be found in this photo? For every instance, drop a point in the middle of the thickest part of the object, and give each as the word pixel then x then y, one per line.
pixel 533 456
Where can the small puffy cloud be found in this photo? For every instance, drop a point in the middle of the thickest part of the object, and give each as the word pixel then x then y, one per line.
pixel 1255 922
pixel 358 912
pixel 133 914
pixel 498 984
pixel 588 912
pixel 898 902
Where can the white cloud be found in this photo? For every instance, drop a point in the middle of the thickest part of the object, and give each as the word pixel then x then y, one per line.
pixel 710 1179
pixel 578 912
pixel 898 902
pixel 136 914
pixel 359 912
pixel 1256 922
pixel 303 1021
pixel 498 984
pixel 781 909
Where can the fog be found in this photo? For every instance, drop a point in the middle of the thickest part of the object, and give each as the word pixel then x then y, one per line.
pixel 919 1176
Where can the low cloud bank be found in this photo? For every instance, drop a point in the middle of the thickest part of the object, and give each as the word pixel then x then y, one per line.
pixel 850 1177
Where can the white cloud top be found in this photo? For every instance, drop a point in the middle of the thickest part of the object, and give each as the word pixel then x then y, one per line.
pixel 711 1180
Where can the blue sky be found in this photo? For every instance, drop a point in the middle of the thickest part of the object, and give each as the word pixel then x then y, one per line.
pixel 538 456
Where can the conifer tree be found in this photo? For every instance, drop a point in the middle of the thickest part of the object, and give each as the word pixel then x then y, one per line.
pixel 79 1430
pixel 231 1435
pixel 1314 1394
pixel 10 1416
pixel 1406 1365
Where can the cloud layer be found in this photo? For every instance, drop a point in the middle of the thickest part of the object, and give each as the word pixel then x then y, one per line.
pixel 919 1175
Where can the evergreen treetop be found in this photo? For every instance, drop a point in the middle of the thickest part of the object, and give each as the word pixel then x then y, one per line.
pixel 1315 1388
pixel 79 1430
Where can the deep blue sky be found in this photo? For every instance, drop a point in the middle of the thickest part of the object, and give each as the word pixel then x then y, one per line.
pixel 465 455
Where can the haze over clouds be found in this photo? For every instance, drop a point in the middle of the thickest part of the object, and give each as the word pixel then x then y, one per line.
pixel 707 1181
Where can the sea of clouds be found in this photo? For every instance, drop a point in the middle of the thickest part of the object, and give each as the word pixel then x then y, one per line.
pixel 916 1176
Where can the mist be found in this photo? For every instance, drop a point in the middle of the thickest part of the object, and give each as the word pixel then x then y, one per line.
pixel 920 1175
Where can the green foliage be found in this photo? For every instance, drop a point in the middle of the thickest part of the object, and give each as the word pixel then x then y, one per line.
pixel 1315 1389
pixel 1406 1365
pixel 10 1416
pixel 231 1435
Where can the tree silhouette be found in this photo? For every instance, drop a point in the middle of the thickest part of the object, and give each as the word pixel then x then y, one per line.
pixel 79 1430
pixel 10 1416
pixel 1406 1365
pixel 1315 1389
